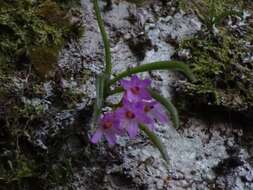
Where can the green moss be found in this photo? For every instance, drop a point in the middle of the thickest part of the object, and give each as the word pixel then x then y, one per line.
pixel 71 97
pixel 223 79
pixel 31 36
pixel 212 12
pixel 27 28
pixel 23 165
pixel 69 3
pixel 44 60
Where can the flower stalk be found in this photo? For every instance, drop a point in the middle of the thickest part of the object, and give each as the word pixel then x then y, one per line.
pixel 141 108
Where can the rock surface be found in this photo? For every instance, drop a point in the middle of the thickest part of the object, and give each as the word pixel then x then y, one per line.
pixel 206 153
pixel 209 151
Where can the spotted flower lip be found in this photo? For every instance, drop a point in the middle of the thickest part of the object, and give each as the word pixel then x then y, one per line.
pixel 136 89
pixel 156 112
pixel 109 128
pixel 130 116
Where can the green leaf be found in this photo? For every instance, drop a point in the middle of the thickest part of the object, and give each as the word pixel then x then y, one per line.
pixel 115 91
pixel 100 88
pixel 100 84
pixel 156 141
pixel 160 65
pixel 106 42
pixel 168 105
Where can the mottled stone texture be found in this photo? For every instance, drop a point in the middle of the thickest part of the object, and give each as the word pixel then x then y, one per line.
pixel 51 149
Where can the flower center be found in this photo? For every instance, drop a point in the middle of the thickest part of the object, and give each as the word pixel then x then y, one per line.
pixel 148 108
pixel 130 115
pixel 135 90
pixel 107 125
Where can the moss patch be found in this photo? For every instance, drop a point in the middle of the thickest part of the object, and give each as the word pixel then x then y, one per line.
pixel 26 28
pixel 219 61
pixel 212 12
pixel 31 35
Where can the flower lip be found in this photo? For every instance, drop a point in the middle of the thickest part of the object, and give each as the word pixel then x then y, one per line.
pixel 147 108
pixel 135 90
pixel 107 125
pixel 130 115
pixel 109 128
pixel 155 111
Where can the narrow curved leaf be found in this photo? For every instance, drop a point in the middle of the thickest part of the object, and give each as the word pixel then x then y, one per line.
pixel 108 67
pixel 168 105
pixel 100 87
pixel 115 91
pixel 156 141
pixel 160 65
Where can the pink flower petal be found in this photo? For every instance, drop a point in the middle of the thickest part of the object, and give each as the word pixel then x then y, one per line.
pixel 146 82
pixel 126 84
pixel 97 136
pixel 136 89
pixel 132 129
pixel 111 138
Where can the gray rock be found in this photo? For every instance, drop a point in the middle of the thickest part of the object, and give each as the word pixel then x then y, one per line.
pixel 197 152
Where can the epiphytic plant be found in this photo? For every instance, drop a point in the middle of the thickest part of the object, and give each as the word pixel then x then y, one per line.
pixel 140 108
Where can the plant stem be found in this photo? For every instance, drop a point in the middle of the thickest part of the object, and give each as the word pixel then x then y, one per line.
pixel 100 90
pixel 108 63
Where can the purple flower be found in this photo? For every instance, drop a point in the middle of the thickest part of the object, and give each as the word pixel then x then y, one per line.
pixel 131 115
pixel 156 112
pixel 109 127
pixel 136 89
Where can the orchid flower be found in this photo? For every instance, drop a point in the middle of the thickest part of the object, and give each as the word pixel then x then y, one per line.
pixel 156 112
pixel 136 89
pixel 109 127
pixel 130 116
